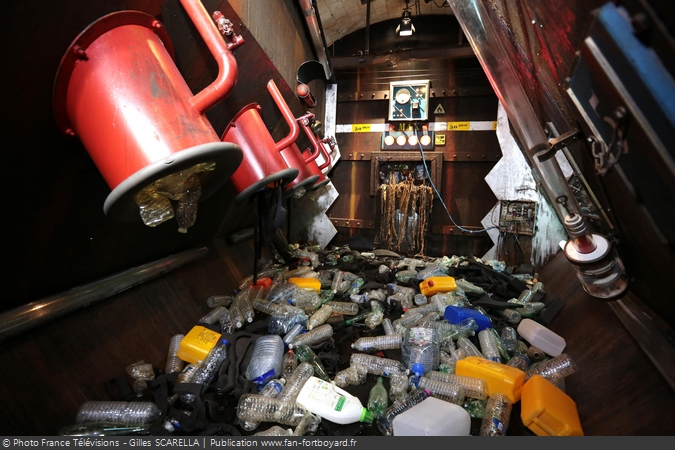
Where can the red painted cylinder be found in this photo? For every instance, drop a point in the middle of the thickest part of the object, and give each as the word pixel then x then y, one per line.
pixel 263 164
pixel 306 178
pixel 119 90
pixel 291 153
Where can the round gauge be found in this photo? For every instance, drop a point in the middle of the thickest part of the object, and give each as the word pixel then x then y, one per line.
pixel 402 96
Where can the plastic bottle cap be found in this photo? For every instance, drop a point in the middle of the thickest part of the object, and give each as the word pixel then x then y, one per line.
pixel 366 416
pixel 430 283
pixel 418 369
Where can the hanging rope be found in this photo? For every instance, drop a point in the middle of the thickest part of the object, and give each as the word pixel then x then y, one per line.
pixel 405 209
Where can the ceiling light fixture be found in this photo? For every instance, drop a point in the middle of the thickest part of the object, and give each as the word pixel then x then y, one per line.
pixel 406 28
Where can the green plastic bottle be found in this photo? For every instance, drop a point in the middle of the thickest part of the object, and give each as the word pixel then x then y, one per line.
pixel 378 399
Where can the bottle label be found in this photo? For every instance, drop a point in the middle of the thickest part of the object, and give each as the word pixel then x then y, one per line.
pixel 499 426
pixel 340 403
pixel 322 393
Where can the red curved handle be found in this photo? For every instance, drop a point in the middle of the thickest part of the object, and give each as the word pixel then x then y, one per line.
pixel 288 116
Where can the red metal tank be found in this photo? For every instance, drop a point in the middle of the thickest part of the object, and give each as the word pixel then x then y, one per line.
pixel 263 164
pixel 118 89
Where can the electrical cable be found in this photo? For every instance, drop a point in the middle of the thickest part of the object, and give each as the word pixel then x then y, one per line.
pixel 426 169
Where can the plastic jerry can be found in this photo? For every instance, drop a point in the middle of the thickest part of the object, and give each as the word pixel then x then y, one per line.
pixel 499 377
pixel 196 344
pixel 548 411
pixel 433 285
pixel 433 417
pixel 455 314
pixel 307 283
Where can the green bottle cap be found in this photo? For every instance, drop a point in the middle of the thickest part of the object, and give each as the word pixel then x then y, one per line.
pixel 366 416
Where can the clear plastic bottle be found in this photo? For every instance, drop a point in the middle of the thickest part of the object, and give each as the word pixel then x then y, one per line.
pixel 307 300
pixel 275 430
pixel 236 316
pixel 450 392
pixel 356 285
pixel 561 364
pixel 255 408
pixel 353 375
pixel 488 345
pixel 319 317
pixel 266 359
pixel 404 276
pixel 394 288
pixel 468 346
pixel 244 301
pixel 121 413
pixel 468 286
pixel 421 346
pixel 404 300
pixel 267 307
pixel 306 355
pixel 337 280
pixel 141 373
pixel 371 343
pixel 212 316
pixel 272 390
pixel 521 362
pixel 510 339
pixel 377 294
pixel 420 299
pixel 208 368
pixel 417 373
pixel 219 300
pixel 345 308
pixel 281 323
pixel 432 270
pixel 296 381
pixel 375 319
pixel 378 400
pixel 388 327
pixel 187 373
pixel 385 423
pixel 376 365
pixel 226 325
pixel 428 319
pixel 505 355
pixel 511 315
pixel 473 387
pixel 406 320
pixel 308 425
pixel 497 415
pixel 173 362
pixel 282 292
pixel 289 363
pixel 398 386
pixel 312 337
pixel 293 333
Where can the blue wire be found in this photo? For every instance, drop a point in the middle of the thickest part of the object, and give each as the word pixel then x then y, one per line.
pixel 426 169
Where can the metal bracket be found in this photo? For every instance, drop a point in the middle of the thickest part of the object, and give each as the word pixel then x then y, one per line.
pixel 559 143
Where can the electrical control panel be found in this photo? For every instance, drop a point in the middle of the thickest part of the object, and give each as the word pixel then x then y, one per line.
pixel 409 100
pixel 517 217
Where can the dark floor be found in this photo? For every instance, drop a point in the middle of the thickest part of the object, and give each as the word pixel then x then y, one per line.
pixel 51 370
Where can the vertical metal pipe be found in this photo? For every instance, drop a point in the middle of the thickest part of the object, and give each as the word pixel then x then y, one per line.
pixel 367 49
pixel 227 65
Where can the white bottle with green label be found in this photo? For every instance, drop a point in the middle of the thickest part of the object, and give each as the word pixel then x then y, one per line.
pixel 332 403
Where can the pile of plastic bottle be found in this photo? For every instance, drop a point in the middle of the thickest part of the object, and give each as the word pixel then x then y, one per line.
pixel 420 346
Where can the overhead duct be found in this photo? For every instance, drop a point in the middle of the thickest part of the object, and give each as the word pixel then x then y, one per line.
pixel 316 34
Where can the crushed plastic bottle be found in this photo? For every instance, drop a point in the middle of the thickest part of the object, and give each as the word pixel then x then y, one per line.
pixel 312 337
pixel 353 375
pixel 488 345
pixel 272 390
pixel 497 415
pixel 256 408
pixel 421 346
pixel 376 365
pixel 450 392
pixel 208 368
pixel 319 317
pixel 385 422
pixel 121 413
pixel 296 381
pixel 372 343
pixel 398 386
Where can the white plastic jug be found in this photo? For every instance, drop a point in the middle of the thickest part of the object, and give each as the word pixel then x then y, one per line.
pixel 433 417
pixel 332 403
